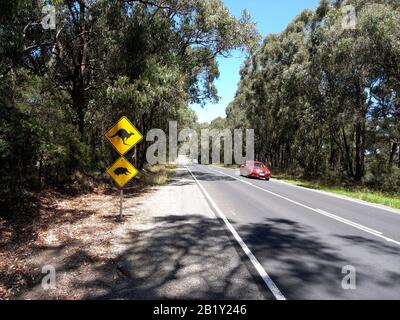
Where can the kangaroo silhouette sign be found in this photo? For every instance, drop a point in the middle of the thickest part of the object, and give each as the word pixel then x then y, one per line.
pixel 122 171
pixel 123 136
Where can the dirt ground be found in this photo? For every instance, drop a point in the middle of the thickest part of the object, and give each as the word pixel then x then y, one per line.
pixel 71 233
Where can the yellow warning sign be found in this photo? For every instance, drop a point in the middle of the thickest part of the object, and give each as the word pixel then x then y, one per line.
pixel 123 136
pixel 122 171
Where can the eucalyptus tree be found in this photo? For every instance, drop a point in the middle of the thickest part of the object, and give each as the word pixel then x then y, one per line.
pixel 323 98
pixel 146 59
pixel 97 44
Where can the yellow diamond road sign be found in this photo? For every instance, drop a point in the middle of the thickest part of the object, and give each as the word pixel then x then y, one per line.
pixel 122 171
pixel 123 136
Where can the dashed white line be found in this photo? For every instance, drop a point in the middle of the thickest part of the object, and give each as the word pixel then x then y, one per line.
pixel 327 214
pixel 264 275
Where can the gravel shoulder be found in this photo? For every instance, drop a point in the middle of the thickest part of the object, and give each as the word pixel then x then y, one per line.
pixel 169 246
pixel 180 250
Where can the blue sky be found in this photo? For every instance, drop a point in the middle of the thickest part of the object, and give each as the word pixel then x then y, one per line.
pixel 271 16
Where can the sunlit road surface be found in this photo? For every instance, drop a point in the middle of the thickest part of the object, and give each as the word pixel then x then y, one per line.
pixel 305 242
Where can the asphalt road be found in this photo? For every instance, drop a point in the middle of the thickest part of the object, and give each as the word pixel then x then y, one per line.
pixel 304 241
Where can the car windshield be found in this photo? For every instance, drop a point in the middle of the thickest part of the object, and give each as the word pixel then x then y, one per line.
pixel 256 164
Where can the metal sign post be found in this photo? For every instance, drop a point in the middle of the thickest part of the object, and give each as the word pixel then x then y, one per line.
pixel 123 136
pixel 120 203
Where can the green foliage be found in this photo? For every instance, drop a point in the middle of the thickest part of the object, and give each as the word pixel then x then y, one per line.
pixel 365 194
pixel 19 146
pixel 323 100
pixel 60 90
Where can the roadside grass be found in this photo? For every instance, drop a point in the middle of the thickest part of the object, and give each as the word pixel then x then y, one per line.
pixel 361 193
pixel 355 192
pixel 171 166
pixel 157 175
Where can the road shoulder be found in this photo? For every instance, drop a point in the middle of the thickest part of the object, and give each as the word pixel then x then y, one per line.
pixel 169 246
pixel 181 251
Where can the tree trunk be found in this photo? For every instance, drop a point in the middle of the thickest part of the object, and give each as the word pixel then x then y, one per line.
pixel 359 153
pixel 333 155
pixel 347 156
pixel 360 137
pixel 40 172
pixel 79 72
pixel 392 154
pixel 398 165
pixel 79 105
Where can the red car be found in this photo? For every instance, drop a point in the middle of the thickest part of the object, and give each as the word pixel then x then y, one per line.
pixel 255 169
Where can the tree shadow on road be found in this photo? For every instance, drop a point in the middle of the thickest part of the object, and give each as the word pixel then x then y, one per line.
pixel 181 257
pixel 372 245
pixel 307 268
pixel 190 257
pixel 300 258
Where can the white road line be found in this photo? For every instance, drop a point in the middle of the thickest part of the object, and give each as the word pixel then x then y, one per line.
pixel 332 216
pixel 264 275
pixel 338 196
pixel 351 223
pixel 342 197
